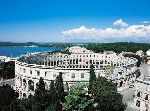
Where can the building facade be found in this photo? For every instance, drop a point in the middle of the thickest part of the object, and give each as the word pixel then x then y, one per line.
pixel 142 91
pixel 74 67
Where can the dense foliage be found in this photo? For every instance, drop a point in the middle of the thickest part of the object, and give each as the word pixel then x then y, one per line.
pixel 91 79
pixel 118 47
pixel 61 45
pixel 7 70
pixel 77 98
pixel 106 97
pixel 7 95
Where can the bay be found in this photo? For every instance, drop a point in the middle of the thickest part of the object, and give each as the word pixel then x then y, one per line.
pixel 11 51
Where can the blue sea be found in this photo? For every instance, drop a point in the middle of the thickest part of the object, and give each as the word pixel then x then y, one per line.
pixel 10 51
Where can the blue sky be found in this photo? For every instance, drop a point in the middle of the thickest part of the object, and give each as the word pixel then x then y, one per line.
pixel 74 20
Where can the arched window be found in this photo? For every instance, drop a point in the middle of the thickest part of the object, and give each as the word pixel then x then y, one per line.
pixel 138 94
pixel 138 103
pixel 121 83
pixel 31 85
pixel 24 95
pixel 146 97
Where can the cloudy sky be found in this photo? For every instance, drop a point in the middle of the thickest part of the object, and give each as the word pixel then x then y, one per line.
pixel 74 20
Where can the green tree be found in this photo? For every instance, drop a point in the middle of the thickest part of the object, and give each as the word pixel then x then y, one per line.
pixel 39 99
pixel 7 70
pixel 53 99
pixel 59 88
pixel 15 106
pixel 92 78
pixel 25 104
pixel 77 98
pixel 56 94
pixel 7 95
pixel 106 97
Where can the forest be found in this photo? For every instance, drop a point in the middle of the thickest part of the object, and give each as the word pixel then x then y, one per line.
pixel 7 70
pixel 118 47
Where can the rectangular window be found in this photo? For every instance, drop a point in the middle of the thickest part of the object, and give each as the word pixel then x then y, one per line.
pixel 24 70
pixel 146 97
pixel 30 72
pixel 45 74
pixel 38 73
pixel 82 75
pixel 73 75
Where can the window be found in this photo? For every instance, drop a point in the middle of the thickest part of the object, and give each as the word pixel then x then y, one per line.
pixel 82 75
pixel 73 75
pixel 38 73
pixel 138 94
pixel 146 97
pixel 30 72
pixel 24 70
pixel 138 103
pixel 45 74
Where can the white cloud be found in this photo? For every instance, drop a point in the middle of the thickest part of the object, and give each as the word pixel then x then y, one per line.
pixel 145 22
pixel 133 32
pixel 120 23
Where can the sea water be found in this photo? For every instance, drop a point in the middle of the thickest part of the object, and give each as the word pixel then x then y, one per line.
pixel 11 51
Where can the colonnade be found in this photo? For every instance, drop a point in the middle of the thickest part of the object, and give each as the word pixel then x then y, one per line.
pixel 26 81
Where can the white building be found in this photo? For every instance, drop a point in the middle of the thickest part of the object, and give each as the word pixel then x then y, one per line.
pixel 74 67
pixel 142 91
pixel 148 52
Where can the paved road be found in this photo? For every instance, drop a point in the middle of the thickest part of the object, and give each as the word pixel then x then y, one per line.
pixel 9 82
pixel 128 98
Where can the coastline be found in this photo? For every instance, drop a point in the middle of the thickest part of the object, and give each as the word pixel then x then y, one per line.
pixel 16 51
